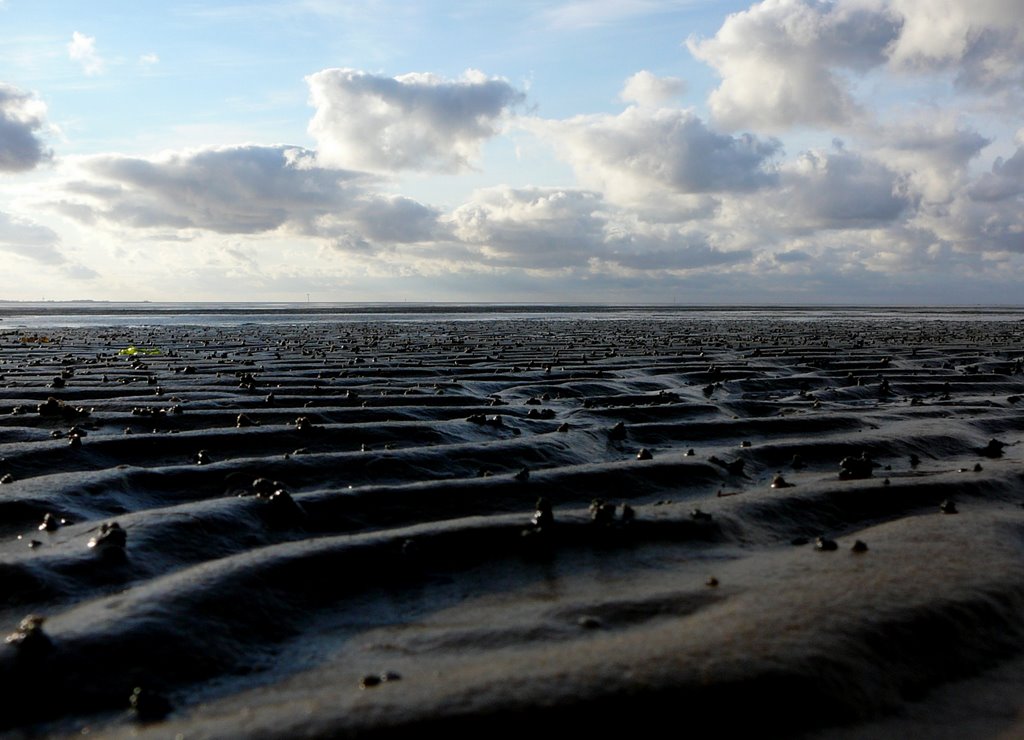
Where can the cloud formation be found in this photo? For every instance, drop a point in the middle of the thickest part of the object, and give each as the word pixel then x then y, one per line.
pixel 785 63
pixel 22 119
pixel 532 227
pixel 981 41
pixel 779 61
pixel 644 155
pixel 840 190
pixel 645 88
pixel 82 49
pixel 1006 180
pixel 416 121
pixel 240 190
pixel 30 240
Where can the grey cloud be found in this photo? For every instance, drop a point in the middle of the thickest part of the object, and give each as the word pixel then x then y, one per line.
pixel 242 190
pixel 80 272
pixel 949 146
pixel 21 121
pixel 841 190
pixel 557 228
pixel 1006 180
pixel 791 255
pixel 238 190
pixel 410 122
pixel 30 240
pixel 532 227
pixel 394 218
pixel 679 257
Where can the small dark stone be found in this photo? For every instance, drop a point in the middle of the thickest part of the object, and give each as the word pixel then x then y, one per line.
pixel 265 486
pixel 823 544
pixel 202 458
pixel 542 516
pixel 6 478
pixel 618 432
pixel 733 468
pixel 852 468
pixel 50 523
pixel 563 427
pixel 283 508
pixel 148 705
pixel 948 506
pixel 978 468
pixel 993 449
pixel 602 512
pixel 644 454
pixel 628 514
pixel 369 681
pixel 859 546
pixel 779 482
pixel 589 622
pixel 711 581
pixel 700 516
pixel 29 638
pixel 914 461
pixel 111 540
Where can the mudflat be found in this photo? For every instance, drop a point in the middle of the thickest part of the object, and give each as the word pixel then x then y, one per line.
pixel 792 525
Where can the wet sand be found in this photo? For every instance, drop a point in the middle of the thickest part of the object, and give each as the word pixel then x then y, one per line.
pixel 359 529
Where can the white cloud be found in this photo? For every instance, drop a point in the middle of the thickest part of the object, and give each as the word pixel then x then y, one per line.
pixel 982 40
pixel 149 60
pixel 647 89
pixel 934 154
pixel 22 118
pixel 778 61
pixel 659 159
pixel 410 122
pixel 785 63
pixel 82 49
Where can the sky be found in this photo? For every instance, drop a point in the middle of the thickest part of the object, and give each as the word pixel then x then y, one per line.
pixel 584 151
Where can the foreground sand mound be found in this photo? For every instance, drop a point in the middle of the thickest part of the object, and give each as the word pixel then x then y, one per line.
pixel 360 528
